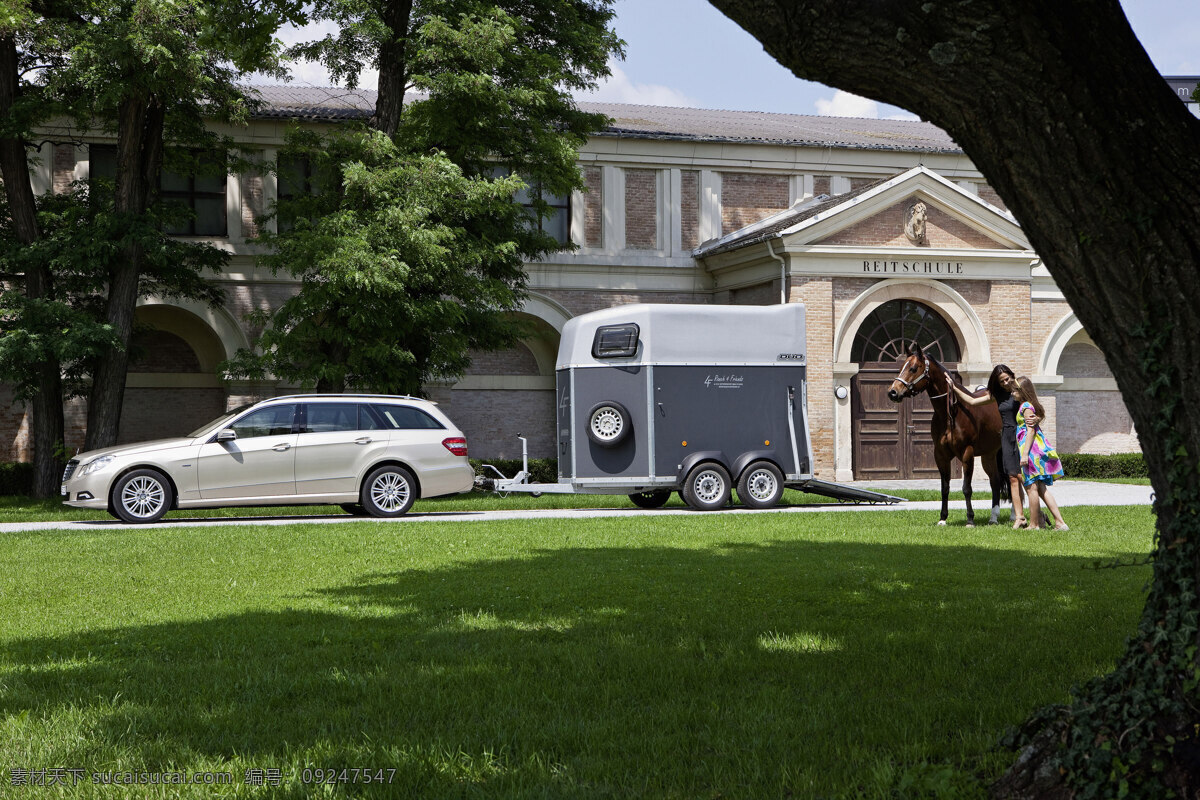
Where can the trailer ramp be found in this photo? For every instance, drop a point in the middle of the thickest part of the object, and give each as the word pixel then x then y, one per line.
pixel 843 493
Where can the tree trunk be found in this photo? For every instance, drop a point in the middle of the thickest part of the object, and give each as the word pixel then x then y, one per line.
pixel 393 65
pixel 139 159
pixel 1059 106
pixel 47 409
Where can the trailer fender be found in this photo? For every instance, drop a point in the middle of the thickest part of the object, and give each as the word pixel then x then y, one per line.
pixel 746 459
pixel 697 457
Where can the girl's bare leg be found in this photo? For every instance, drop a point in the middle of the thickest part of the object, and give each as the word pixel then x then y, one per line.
pixel 1016 491
pixel 1052 506
pixel 1035 516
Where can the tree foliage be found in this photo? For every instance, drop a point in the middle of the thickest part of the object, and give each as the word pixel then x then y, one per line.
pixel 412 253
pixel 405 265
pixel 80 236
pixel 154 73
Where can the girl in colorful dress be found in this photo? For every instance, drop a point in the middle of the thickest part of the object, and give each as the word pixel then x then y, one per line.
pixel 1039 461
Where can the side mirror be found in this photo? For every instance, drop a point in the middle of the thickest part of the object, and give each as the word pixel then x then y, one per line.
pixel 227 435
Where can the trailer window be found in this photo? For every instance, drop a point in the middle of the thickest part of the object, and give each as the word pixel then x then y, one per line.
pixel 615 341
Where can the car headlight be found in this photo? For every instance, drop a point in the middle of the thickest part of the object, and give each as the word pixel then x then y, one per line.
pixel 95 465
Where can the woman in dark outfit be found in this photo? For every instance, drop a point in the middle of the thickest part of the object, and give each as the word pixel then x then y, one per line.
pixel 1000 386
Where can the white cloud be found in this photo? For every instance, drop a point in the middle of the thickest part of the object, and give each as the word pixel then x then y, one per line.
pixel 618 88
pixel 845 104
pixel 311 73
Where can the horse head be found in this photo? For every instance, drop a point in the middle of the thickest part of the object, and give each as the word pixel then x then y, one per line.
pixel 914 375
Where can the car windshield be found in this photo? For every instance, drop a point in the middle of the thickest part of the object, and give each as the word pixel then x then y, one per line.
pixel 219 421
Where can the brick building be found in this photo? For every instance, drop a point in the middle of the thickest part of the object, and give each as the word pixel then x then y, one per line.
pixel 884 229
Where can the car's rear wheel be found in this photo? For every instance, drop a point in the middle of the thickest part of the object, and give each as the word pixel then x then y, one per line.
pixel 389 491
pixel 142 495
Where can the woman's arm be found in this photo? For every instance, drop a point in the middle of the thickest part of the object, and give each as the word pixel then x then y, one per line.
pixel 971 399
pixel 1026 435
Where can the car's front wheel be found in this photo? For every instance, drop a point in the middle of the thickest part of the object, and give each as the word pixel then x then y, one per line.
pixel 143 495
pixel 388 491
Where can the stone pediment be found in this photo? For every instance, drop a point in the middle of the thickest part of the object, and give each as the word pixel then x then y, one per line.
pixel 938 227
pixel 885 215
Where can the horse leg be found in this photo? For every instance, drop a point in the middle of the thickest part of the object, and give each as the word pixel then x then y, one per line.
pixel 943 460
pixel 968 462
pixel 989 466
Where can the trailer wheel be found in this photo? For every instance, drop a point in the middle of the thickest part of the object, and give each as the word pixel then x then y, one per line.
pixel 655 498
pixel 608 423
pixel 761 485
pixel 707 487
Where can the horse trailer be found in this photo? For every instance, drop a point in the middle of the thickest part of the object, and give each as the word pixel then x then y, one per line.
pixel 697 399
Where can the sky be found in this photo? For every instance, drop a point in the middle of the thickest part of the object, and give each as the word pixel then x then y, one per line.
pixel 671 60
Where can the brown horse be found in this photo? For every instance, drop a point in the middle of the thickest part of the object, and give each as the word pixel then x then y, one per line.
pixel 959 431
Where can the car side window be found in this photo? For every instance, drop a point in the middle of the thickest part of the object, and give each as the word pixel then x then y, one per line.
pixel 398 417
pixel 269 421
pixel 369 419
pixel 330 417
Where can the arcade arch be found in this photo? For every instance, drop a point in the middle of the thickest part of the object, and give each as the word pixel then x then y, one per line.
pixel 172 386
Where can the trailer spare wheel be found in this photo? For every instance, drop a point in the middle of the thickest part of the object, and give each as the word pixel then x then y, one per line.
pixel 608 423
pixel 761 485
pixel 706 487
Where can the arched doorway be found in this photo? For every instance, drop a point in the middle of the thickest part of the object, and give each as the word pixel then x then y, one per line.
pixel 891 440
pixel 172 385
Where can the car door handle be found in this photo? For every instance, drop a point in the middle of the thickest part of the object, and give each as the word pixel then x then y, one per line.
pixel 280 448
pixel 363 440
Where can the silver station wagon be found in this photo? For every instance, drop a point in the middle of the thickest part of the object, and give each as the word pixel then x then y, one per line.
pixel 370 454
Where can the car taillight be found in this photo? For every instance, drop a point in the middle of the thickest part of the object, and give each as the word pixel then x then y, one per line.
pixel 456 445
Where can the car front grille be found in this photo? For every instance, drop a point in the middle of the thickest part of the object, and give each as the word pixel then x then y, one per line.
pixel 70 470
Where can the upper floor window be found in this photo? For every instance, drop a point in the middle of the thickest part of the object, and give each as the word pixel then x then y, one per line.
pixel 558 223
pixel 296 179
pixel 198 185
pixel 102 161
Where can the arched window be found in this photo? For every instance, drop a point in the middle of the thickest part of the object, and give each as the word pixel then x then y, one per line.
pixel 888 332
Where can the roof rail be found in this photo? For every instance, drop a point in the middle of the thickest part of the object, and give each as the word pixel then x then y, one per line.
pixel 347 396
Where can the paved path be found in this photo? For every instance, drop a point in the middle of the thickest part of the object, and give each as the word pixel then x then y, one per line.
pixel 1068 493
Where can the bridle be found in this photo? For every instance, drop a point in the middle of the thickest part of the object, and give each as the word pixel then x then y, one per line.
pixel 910 389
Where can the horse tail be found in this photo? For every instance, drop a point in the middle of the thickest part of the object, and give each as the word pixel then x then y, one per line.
pixel 1002 476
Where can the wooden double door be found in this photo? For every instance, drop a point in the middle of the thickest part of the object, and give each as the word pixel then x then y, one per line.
pixel 891 440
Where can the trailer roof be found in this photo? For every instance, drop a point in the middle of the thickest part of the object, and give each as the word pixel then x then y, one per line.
pixel 692 334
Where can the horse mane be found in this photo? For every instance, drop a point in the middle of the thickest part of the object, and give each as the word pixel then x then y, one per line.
pixel 949 375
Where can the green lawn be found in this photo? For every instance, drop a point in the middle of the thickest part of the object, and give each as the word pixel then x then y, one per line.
pixel 695 656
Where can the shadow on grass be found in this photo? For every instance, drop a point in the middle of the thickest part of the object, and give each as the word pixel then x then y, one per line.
pixel 740 670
